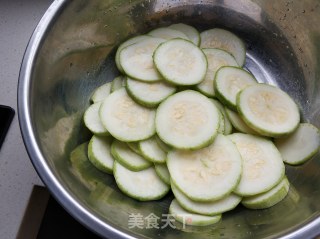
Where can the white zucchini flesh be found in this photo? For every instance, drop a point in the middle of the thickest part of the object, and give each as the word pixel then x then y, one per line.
pixel 238 123
pixel 191 219
pixel 125 119
pixel 117 83
pixel 99 153
pixel 144 185
pixel 187 120
pixel 101 92
pixel 150 150
pixel 226 121
pixel 125 44
pixel 206 174
pixel 206 208
pixel 299 146
pixel 168 33
pixel 268 110
pixel 131 160
pixel 269 198
pixel 163 172
pixel 223 39
pixel 189 31
pixel 180 62
pixel 263 167
pixel 229 81
pixel 216 58
pixel 137 62
pixel 92 120
pixel 149 94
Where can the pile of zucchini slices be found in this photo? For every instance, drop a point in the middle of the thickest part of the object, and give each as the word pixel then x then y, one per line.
pixel 185 115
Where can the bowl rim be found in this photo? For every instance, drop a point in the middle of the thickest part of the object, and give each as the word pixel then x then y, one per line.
pixel 63 196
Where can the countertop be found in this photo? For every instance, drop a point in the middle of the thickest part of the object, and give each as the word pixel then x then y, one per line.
pixel 18 19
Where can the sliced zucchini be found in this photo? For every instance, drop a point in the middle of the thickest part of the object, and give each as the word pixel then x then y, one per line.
pixel 136 60
pixel 206 208
pixel 131 160
pixel 93 122
pixel 125 44
pixel 216 58
pixel 163 172
pixel 101 92
pixel 221 119
pixel 99 153
pixel 189 31
pixel 263 167
pixel 150 150
pixel 118 83
pixel 238 123
pixel 162 145
pixel 269 198
pixel 149 94
pixel 207 174
pixel 187 120
pixel 227 123
pixel 134 146
pixel 192 219
pixel 180 62
pixel 299 146
pixel 229 81
pixel 144 185
pixel 168 33
pixel 268 110
pixel 125 119
pixel 86 173
pixel 223 39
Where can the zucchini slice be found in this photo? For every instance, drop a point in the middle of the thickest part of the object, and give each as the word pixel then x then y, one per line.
pixel 168 33
pixel 92 120
pixel 99 153
pixel 216 58
pixel 263 167
pixel 117 83
pixel 131 160
pixel 134 146
pixel 125 119
pixel 189 31
pixel 128 42
pixel 180 62
pixel 206 174
pixel 101 92
pixel 227 123
pixel 238 123
pixel 150 150
pixel 229 81
pixel 187 120
pixel 299 146
pixel 191 219
pixel 206 208
pixel 136 60
pixel 144 185
pixel 149 94
pixel 269 198
pixel 163 172
pixel 225 40
pixel 268 110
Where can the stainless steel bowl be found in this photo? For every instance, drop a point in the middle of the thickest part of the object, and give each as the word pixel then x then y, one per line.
pixel 71 52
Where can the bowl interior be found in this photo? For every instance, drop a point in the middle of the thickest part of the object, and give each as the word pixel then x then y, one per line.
pixel 77 55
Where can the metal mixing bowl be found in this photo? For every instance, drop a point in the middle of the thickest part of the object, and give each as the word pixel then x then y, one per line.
pixel 71 52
